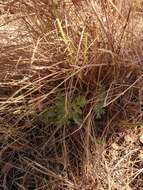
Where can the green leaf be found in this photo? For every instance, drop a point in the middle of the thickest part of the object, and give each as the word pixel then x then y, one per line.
pixel 48 116
pixel 98 108
pixel 81 101
pixel 58 115
pixel 76 117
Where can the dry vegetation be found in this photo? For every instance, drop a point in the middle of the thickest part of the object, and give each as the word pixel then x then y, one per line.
pixel 71 95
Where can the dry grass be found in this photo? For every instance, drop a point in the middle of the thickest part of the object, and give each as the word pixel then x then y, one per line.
pixel 51 49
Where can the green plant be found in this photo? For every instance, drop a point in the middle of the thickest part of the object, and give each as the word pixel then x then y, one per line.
pixel 65 112
pixel 98 108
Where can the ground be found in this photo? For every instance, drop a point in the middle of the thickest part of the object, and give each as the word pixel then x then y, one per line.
pixel 71 95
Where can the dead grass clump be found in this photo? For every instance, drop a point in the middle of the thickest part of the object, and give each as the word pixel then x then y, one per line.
pixel 118 165
pixel 74 72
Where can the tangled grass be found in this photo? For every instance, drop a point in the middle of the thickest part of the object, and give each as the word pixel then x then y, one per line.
pixel 71 75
